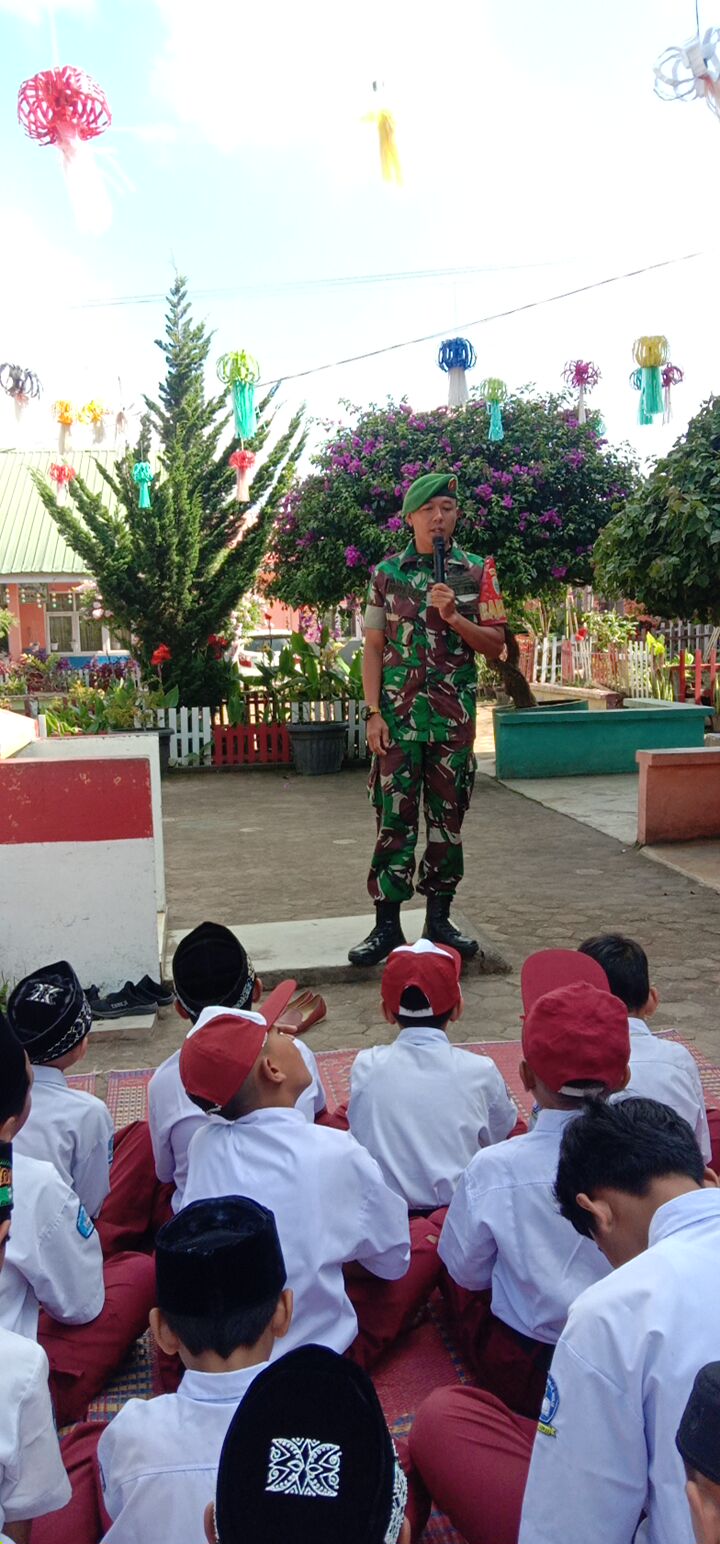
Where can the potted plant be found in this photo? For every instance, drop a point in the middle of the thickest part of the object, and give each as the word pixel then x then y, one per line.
pixel 307 674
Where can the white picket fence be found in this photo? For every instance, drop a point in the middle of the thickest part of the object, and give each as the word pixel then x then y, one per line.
pixel 634 665
pixel 192 735
pixel 192 729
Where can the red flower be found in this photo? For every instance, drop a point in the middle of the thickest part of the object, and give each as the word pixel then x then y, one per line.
pixel 161 656
pixel 268 616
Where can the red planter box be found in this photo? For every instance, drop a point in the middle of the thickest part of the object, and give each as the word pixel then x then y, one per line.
pixel 242 745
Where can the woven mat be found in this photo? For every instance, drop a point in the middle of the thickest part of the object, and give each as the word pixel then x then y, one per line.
pixel 127 1091
pixel 83 1080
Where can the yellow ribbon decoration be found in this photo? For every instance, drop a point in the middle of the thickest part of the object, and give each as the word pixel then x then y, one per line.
pixel 651 352
pixel 92 413
pixel 64 412
pixel 389 153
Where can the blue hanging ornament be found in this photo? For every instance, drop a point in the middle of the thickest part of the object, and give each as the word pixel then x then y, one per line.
pixel 143 476
pixel 455 356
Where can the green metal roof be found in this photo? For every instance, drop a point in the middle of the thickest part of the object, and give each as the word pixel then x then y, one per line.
pixel 31 546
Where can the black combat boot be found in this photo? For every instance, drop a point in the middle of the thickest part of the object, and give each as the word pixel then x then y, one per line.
pixel 386 935
pixel 441 930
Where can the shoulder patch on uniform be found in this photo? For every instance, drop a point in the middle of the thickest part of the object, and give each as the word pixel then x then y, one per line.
pixel 549 1408
pixel 84 1224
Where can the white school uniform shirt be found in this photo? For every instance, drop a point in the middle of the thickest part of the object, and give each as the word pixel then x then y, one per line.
pixel 73 1130
pixel 174 1119
pixel 32 1475
pixel 158 1458
pixel 331 1205
pixel 665 1070
pixel 423 1107
pixel 53 1257
pixel 504 1230
pixel 619 1382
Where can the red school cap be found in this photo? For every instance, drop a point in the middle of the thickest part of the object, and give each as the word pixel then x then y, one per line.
pixel 577 1034
pixel 434 969
pixel 220 1051
pixel 548 969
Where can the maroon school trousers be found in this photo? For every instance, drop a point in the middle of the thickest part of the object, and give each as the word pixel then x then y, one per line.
pixel 84 1357
pixel 473 1455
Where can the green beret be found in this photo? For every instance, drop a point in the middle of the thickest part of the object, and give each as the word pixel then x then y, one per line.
pixel 428 487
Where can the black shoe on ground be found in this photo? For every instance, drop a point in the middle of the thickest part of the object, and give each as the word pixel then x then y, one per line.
pixel 161 992
pixel 123 1004
pixel 386 935
pixel 439 928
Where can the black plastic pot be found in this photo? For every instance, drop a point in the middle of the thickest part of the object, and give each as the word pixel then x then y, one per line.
pixel 318 748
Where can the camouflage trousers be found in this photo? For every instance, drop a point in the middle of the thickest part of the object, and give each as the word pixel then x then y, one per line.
pixel 444 772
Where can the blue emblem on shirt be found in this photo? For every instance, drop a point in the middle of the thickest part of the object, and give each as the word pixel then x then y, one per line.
pixel 549 1408
pixel 84 1224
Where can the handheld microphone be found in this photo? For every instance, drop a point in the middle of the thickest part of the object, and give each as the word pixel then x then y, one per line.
pixel 439 559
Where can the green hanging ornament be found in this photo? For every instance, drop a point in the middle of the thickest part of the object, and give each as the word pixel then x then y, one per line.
pixel 143 476
pixel 240 372
pixel 495 392
pixel 650 354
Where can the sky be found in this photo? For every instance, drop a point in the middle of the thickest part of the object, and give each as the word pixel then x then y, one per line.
pixel 536 159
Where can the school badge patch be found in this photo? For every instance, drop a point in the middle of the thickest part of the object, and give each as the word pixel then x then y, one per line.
pixel 549 1409
pixel 84 1224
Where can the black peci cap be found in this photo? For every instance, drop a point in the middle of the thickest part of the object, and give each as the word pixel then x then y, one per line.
pixel 698 1435
pixel 218 1256
pixel 211 969
pixel 49 1012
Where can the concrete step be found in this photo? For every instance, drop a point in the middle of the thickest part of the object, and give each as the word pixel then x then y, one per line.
pixel 315 952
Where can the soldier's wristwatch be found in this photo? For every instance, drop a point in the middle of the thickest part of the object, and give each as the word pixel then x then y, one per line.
pixel 367 712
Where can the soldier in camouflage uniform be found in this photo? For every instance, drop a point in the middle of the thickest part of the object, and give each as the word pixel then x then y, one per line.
pixel 420 680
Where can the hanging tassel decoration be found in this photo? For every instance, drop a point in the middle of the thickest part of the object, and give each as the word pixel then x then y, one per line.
pixel 583 375
pixel 242 461
pixel 650 354
pixel 143 476
pixel 672 375
pixel 61 475
pixel 390 168
pixel 495 392
pixel 636 380
pixel 19 384
pixel 240 372
pixel 692 71
pixel 94 413
pixel 64 414
pixel 455 356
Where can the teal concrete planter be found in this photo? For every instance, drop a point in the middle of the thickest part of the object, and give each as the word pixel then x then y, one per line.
pixel 571 744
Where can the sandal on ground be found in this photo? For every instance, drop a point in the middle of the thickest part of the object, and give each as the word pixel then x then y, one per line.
pixel 296 1021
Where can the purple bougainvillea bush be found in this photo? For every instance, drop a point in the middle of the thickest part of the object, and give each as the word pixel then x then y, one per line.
pixel 537 500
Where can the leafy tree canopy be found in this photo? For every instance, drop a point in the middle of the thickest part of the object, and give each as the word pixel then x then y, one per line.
pixel 664 548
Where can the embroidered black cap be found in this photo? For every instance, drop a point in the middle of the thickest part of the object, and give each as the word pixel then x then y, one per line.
pixel 308 1457
pixel 49 1012
pixel 211 969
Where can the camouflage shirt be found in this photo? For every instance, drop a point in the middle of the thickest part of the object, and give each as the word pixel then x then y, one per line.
pixel 429 677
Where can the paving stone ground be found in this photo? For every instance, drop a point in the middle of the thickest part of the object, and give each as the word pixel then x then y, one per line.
pixel 263 846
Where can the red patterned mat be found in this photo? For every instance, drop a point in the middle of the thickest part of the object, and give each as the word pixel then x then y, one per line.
pixel 127 1091
pixel 83 1080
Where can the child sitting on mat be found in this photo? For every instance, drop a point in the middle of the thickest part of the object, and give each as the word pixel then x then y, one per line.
pixel 659 1069
pixel 328 1196
pixel 221 1304
pixel 423 1106
pixel 210 970
pixel 503 1230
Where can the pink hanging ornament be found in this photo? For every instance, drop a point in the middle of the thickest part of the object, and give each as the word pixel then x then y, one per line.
pixel 583 375
pixel 672 375
pixel 243 462
pixel 65 107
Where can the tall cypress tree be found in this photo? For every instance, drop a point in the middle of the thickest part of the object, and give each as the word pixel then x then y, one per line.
pixel 173 573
